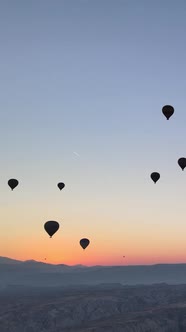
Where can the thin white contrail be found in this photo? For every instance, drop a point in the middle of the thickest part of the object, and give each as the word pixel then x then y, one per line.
pixel 77 154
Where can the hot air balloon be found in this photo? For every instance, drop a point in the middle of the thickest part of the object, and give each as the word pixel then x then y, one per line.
pixel 182 163
pixel 51 227
pixel 84 243
pixel 168 111
pixel 61 185
pixel 155 176
pixel 13 183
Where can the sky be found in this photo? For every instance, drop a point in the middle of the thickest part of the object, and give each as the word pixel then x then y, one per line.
pixel 83 83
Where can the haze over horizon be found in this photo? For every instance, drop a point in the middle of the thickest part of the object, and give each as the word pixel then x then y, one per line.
pixel 82 88
pixel 9 259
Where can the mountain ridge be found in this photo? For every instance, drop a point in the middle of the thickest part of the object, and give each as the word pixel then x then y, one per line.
pixel 34 273
pixel 8 260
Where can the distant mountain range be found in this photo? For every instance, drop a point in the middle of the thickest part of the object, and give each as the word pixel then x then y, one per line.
pixel 6 260
pixel 33 273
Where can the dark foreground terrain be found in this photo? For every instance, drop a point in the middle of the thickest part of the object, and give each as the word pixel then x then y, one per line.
pixel 109 308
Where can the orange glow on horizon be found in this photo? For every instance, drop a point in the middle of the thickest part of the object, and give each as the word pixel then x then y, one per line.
pixel 84 259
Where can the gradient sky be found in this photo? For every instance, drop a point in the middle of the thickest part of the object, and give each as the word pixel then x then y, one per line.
pixel 91 77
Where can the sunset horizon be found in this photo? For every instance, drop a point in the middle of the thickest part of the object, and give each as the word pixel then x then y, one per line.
pixel 86 87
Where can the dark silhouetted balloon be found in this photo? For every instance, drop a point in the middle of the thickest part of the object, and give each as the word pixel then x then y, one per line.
pixel 61 185
pixel 84 243
pixel 168 111
pixel 155 176
pixel 13 183
pixel 182 163
pixel 51 227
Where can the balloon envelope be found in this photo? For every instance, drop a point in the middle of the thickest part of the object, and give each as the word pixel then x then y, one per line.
pixel 61 185
pixel 13 183
pixel 168 111
pixel 155 176
pixel 51 227
pixel 182 163
pixel 84 243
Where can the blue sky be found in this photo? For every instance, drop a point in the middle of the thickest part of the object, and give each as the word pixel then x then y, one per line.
pixel 92 77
